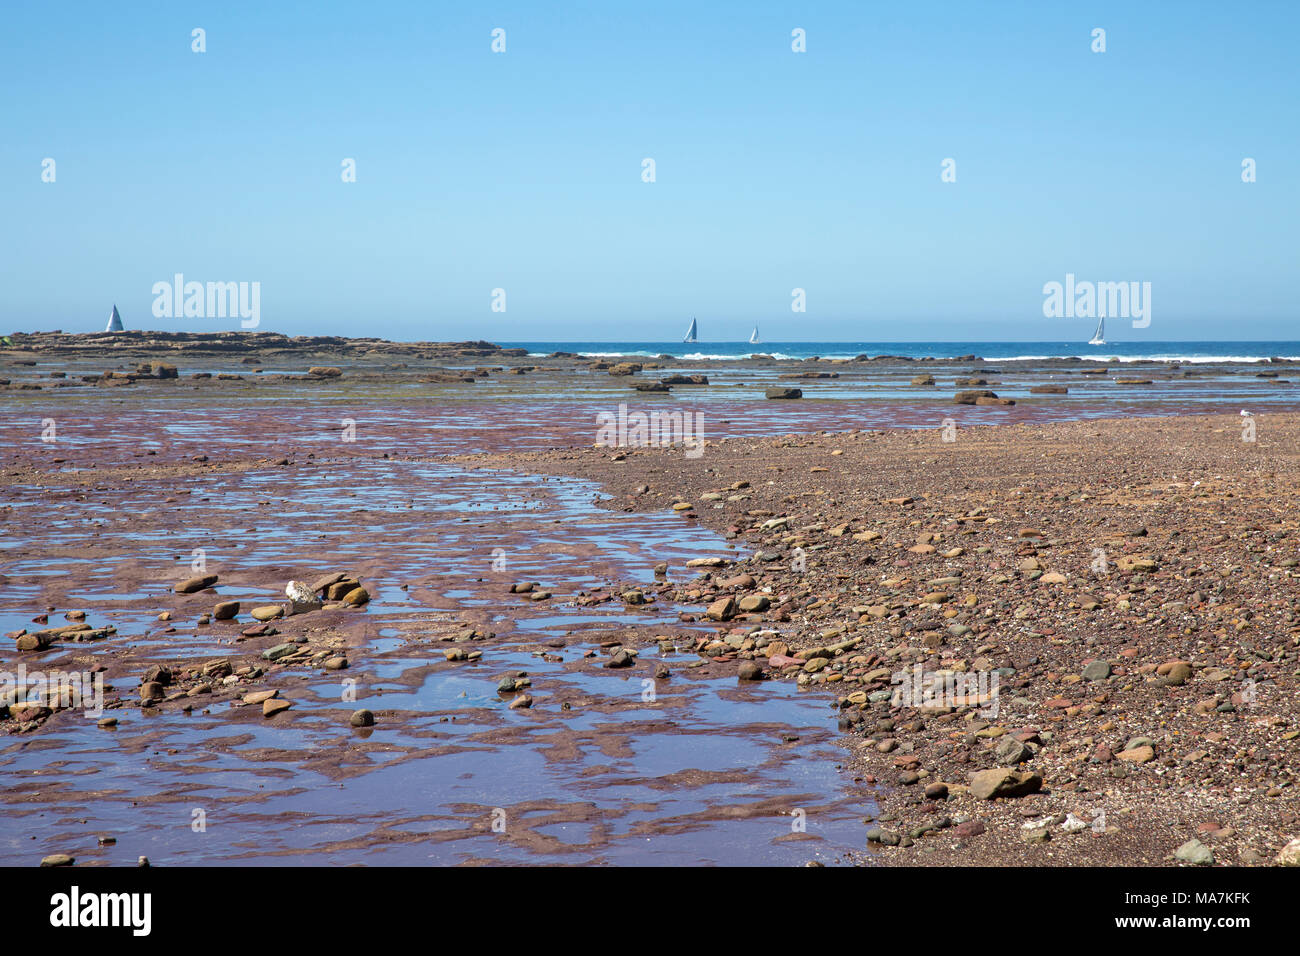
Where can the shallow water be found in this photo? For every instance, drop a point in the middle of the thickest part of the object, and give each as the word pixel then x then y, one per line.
pixel 679 771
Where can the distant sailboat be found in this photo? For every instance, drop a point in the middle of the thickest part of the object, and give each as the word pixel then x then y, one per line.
pixel 115 322
pixel 690 333
pixel 1099 337
pixel 753 337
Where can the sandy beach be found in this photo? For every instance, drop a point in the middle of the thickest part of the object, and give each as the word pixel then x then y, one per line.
pixel 707 649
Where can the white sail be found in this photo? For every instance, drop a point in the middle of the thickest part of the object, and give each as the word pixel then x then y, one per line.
pixel 753 336
pixel 1099 337
pixel 690 333
pixel 115 322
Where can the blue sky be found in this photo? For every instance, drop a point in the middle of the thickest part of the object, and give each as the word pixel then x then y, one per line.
pixel 774 170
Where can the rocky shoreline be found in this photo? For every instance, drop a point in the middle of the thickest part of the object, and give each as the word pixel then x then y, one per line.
pixel 1131 584
pixel 1061 643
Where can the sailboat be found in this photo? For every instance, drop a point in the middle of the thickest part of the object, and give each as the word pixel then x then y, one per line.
pixel 115 322
pixel 690 333
pixel 1099 337
pixel 753 336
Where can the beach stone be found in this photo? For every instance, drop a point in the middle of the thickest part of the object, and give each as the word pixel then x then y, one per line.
pixel 33 642
pixel 225 611
pixel 1129 562
pixel 970 396
pixel 336 663
pixel 1141 754
pixel 749 670
pixel 740 581
pixel 633 598
pixel 1195 852
pixel 151 691
pixel 322 583
pixel 324 371
pixel 362 718
pixel 723 609
pixel 279 651
pixel 784 393
pixel 356 597
pixel 274 706
pixel 58 859
pixel 992 784
pixel 1289 855
pixel 259 696
pixel 1097 670
pixel 754 602
pixel 268 612
pixel 882 836
pixel 1179 672
pixel 1011 751
pixel 521 702
pixel 339 589
pixel 923 380
pixel 199 583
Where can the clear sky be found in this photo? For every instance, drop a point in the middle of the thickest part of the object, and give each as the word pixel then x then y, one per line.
pixel 774 170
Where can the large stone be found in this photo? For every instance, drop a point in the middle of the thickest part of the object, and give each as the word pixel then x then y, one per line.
pixel 225 611
pixel 198 583
pixel 992 784
pixel 274 706
pixel 33 642
pixel 749 670
pixel 784 393
pixel 268 612
pixel 723 609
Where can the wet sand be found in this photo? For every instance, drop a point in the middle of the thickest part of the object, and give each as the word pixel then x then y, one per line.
pixel 448 492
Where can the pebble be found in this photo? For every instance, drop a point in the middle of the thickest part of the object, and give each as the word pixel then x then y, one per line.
pixel 1195 852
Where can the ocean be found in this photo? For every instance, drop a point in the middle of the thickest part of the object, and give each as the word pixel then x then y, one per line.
pixel 1184 352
